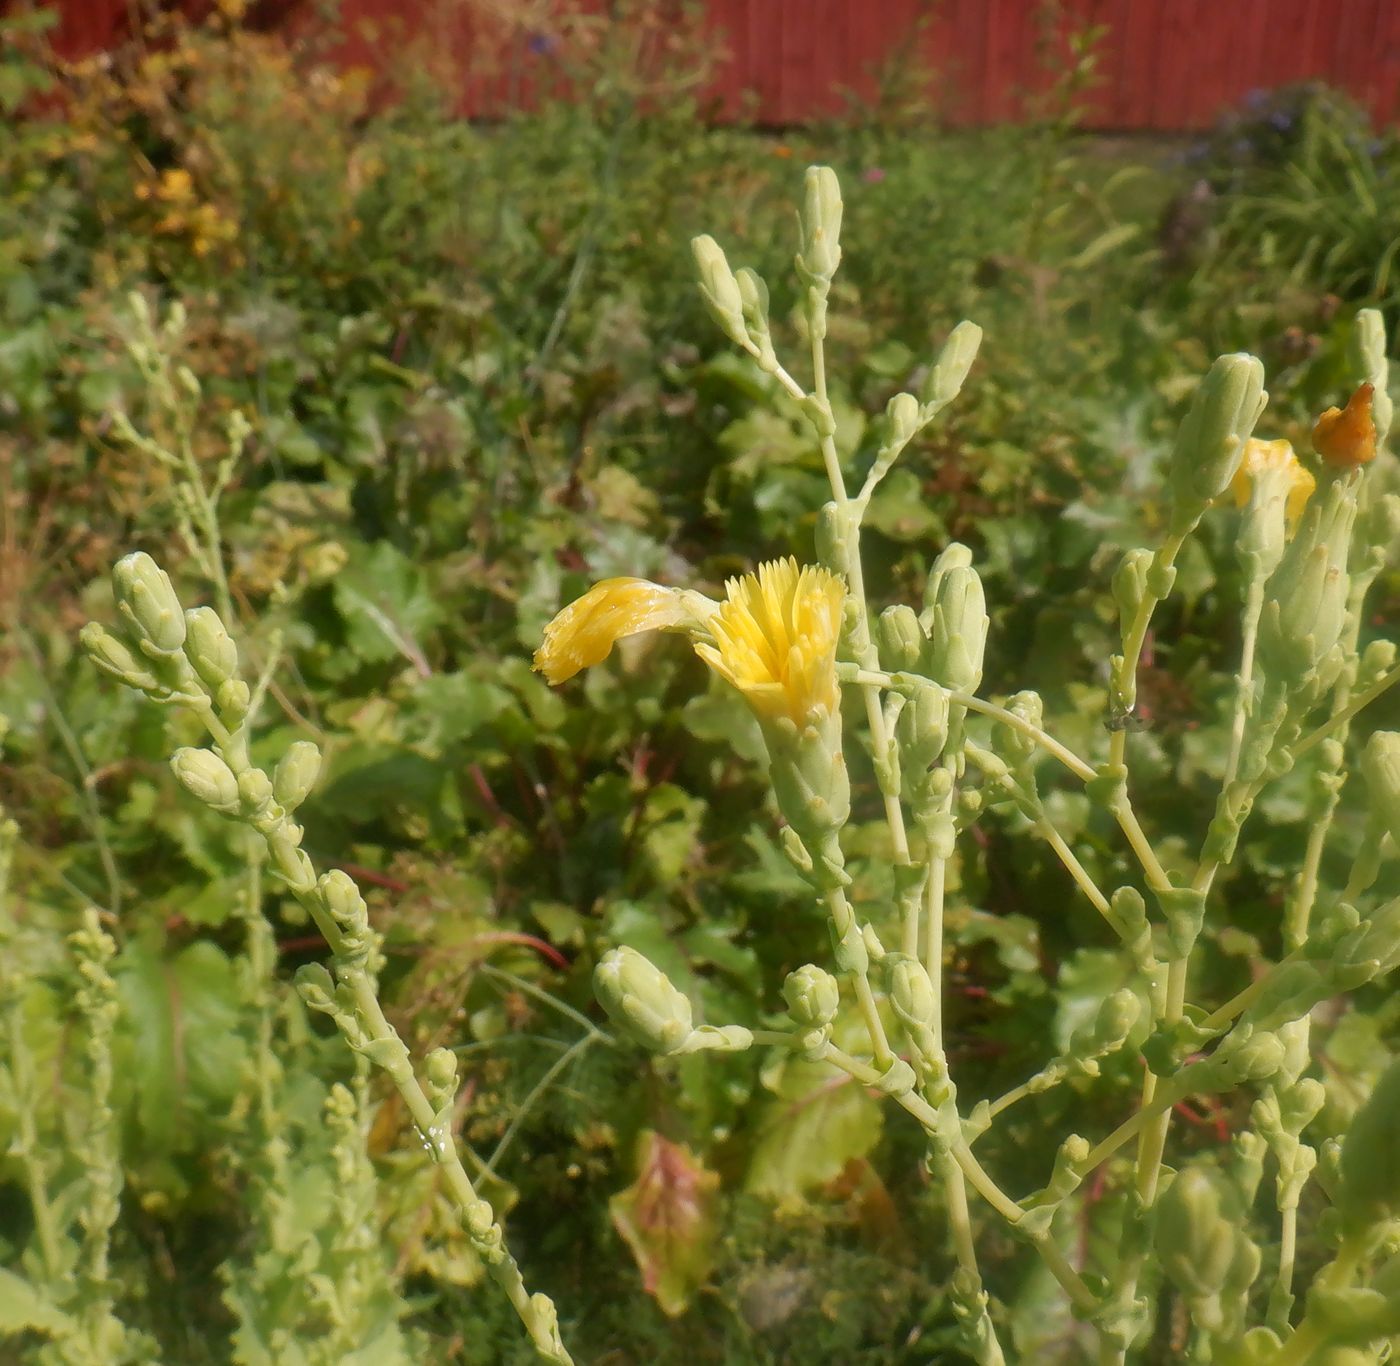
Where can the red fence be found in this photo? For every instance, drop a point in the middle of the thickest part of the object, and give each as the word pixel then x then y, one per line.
pixel 1165 64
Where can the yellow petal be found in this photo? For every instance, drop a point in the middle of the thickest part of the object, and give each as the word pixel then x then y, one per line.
pixel 1274 460
pixel 1346 437
pixel 775 639
pixel 584 633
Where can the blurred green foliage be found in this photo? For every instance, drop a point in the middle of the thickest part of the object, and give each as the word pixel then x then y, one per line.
pixel 479 378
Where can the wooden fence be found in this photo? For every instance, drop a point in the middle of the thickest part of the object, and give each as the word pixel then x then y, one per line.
pixel 1171 65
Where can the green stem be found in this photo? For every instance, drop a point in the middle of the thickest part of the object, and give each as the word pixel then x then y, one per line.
pixel 1362 699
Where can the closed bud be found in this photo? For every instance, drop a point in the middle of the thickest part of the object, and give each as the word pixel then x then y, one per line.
pixel 901 639
pixel 206 777
pixel 147 600
pixel 1115 1018
pixel 296 774
pixel 958 629
pixel 1130 583
pixel 208 646
pixel 1210 443
pixel 112 656
pixel 753 297
pixel 1369 1188
pixel 950 370
pixel 316 987
pixel 343 902
pixel 1197 1232
pixel 233 699
pixel 718 287
pixel 901 419
pixel 1380 763
pixel 911 992
pixel 641 1001
pixel 254 788
pixel 819 225
pixel 812 996
pixel 440 1069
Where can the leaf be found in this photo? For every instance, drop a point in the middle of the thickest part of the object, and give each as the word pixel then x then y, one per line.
pixel 899 511
pixel 387 605
pixel 820 1120
pixel 667 1216
pixel 23 1307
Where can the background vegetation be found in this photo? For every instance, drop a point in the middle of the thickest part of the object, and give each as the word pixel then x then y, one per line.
pixel 477 377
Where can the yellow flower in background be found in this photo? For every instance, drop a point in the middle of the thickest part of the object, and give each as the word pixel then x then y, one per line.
pixel 1274 461
pixel 1346 437
pixel 584 633
pixel 775 639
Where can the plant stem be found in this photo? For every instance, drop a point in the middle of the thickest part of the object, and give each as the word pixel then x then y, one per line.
pixel 1362 699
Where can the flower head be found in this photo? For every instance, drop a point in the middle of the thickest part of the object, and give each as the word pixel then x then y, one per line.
pixel 584 633
pixel 775 639
pixel 1346 437
pixel 1271 469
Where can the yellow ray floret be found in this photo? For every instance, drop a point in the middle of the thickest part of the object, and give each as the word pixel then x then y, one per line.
pixel 775 639
pixel 1346 437
pixel 1274 461
pixel 584 633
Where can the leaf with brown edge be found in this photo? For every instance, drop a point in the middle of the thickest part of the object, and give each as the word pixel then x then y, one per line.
pixel 667 1217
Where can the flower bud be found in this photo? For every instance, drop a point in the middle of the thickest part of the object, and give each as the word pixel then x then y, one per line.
pixel 819 224
pixel 641 1000
pixel 1369 1189
pixel 209 647
pixel 951 368
pixel 1210 443
pixel 719 288
pixel 147 600
pixel 1368 358
pixel 958 629
pixel 901 419
pixel 440 1074
pixel 1115 1018
pixel 113 657
pixel 901 639
pixel 296 774
pixel 254 788
pixel 1130 583
pixel 342 900
pixel 911 991
pixel 1380 763
pixel 206 777
pixel 1201 1239
pixel 812 996
pixel 316 987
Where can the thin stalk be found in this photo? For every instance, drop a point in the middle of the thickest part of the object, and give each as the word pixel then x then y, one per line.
pixel 1362 699
pixel 1253 606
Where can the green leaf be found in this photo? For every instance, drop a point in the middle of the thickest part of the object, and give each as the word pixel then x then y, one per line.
pixel 667 1216
pixel 387 605
pixel 23 1307
pixel 899 510
pixel 819 1120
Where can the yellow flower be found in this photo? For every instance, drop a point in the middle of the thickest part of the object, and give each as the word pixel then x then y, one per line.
pixel 1274 461
pixel 584 633
pixel 1346 437
pixel 775 639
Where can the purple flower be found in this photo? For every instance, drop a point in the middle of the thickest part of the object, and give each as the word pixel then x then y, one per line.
pixel 873 175
pixel 540 44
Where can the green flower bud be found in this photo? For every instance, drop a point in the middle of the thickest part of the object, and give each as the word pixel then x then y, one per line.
pixel 1368 359
pixel 1202 1243
pixel 641 1001
pixel 1115 1018
pixel 233 699
pixel 754 294
pixel 911 991
pixel 343 902
pixel 1130 583
pixel 113 657
pixel 209 647
pixel 1369 1190
pixel 296 774
pixel 254 788
pixel 147 600
pixel 901 419
pixel 832 538
pixel 958 630
pixel 1380 763
pixel 902 640
pixel 1376 659
pixel 812 996
pixel 719 288
pixel 950 370
pixel 316 987
pixel 1210 443
pixel 207 778
pixel 819 225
